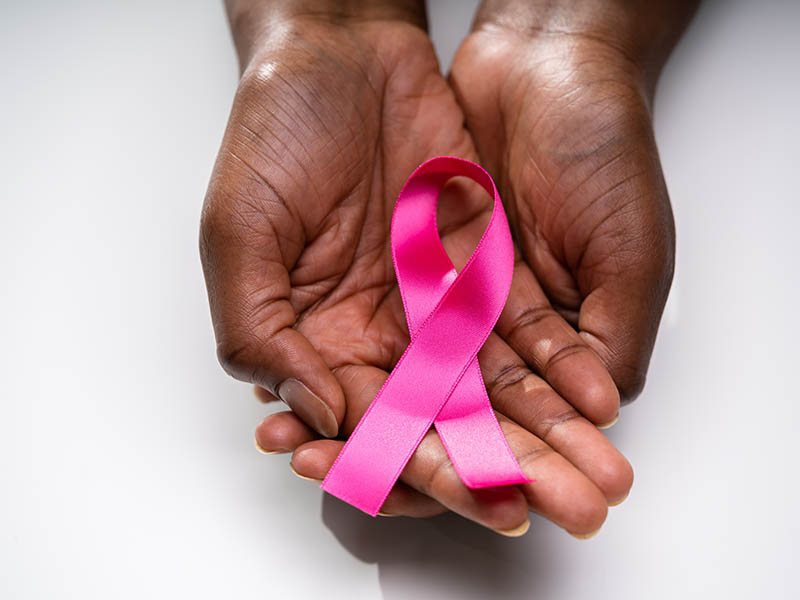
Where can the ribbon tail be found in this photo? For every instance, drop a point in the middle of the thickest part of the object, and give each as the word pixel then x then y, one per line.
pixel 472 436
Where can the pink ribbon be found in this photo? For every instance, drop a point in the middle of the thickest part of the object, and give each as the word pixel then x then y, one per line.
pixel 438 379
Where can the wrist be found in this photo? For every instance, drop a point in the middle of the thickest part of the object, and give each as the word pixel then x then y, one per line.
pixel 641 33
pixel 252 21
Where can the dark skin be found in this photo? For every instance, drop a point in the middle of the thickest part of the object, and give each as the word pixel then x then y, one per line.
pixel 338 103
pixel 562 118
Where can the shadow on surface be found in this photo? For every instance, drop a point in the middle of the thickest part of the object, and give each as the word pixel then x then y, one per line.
pixel 446 555
pixel 450 557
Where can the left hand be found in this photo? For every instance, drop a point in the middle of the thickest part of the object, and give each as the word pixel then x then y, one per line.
pixel 558 99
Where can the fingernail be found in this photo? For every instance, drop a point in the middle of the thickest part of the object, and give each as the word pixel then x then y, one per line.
pixel 584 536
pixel 278 451
pixel 609 424
pixel 516 531
pixel 620 501
pixel 308 406
pixel 383 514
pixel 303 476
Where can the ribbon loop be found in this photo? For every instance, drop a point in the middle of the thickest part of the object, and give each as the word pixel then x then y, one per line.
pixel 437 380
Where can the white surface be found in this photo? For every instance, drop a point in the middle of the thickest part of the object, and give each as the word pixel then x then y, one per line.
pixel 126 455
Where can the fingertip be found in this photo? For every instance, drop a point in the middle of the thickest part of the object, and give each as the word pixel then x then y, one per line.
pixel 314 459
pixel 501 509
pixel 517 531
pixel 584 536
pixel 608 469
pixel 630 384
pixel 617 480
pixel 306 477
pixel 584 382
pixel 618 501
pixel 261 449
pixel 588 513
pixel 282 432
pixel 609 424
pixel 626 366
pixel 566 496
pixel 601 398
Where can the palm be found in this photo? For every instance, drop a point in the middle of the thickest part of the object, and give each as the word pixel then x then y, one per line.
pixel 397 112
pixel 573 148
pixel 322 136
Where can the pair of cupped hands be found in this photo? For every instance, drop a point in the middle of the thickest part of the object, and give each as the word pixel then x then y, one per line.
pixel 338 103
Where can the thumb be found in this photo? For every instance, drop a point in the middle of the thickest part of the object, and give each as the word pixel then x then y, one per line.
pixel 246 264
pixel 620 316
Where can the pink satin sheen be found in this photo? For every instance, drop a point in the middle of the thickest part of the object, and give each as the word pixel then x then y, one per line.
pixel 437 380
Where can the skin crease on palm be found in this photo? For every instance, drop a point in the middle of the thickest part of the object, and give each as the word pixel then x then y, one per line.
pixel 331 116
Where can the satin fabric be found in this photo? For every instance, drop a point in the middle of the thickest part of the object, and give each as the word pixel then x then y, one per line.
pixel 437 380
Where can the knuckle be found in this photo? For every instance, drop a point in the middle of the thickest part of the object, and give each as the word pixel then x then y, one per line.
pixel 439 483
pixel 530 317
pixel 507 377
pixel 562 353
pixel 556 420
pixel 528 459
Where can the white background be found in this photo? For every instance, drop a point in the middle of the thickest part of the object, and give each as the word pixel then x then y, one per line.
pixel 127 467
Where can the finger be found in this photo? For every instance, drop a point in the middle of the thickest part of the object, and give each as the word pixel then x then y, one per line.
pixel 561 493
pixel 313 460
pixel 263 396
pixel 541 336
pixel 621 250
pixel 282 432
pixel 619 320
pixel 429 471
pixel 564 494
pixel 246 258
pixel 285 432
pixel 525 398
pixel 554 350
